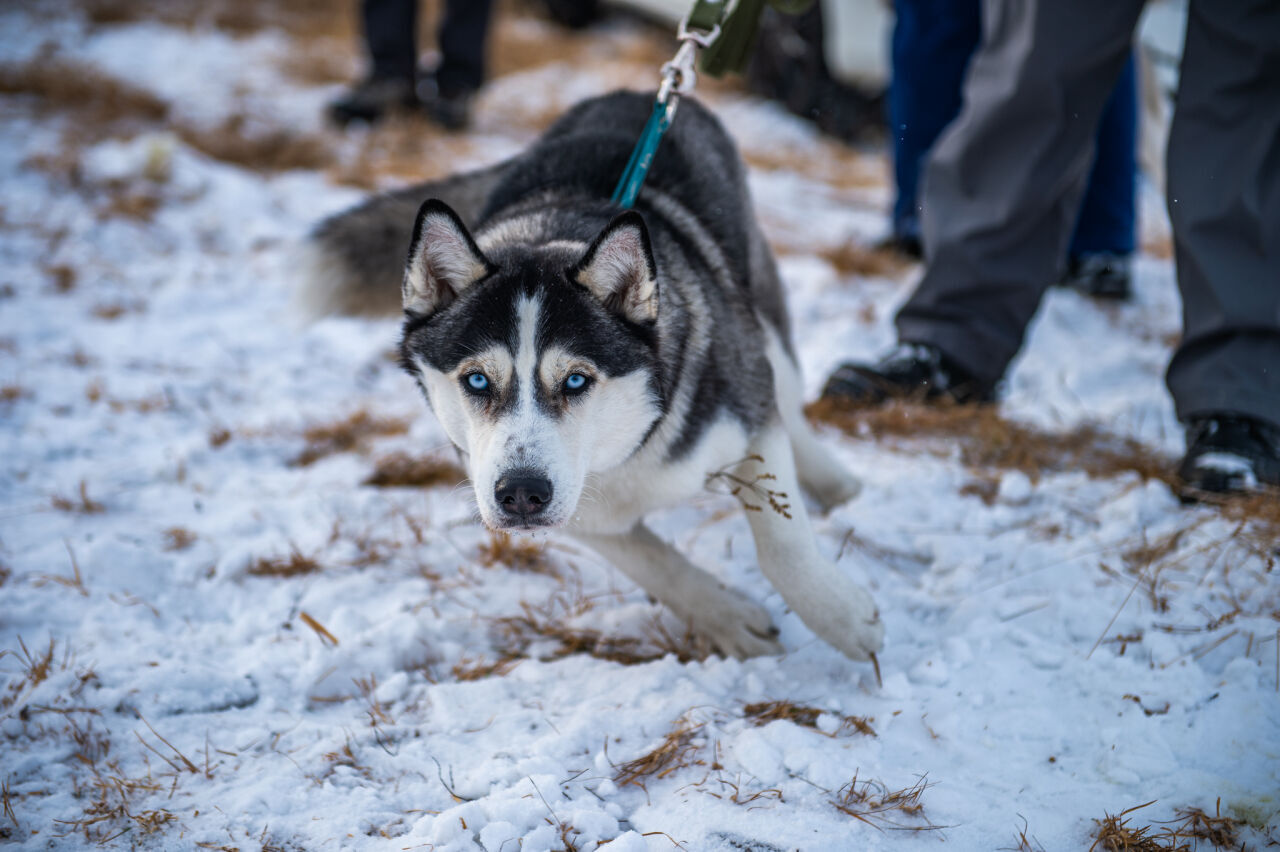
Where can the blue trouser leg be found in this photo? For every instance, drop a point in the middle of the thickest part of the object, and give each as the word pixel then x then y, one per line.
pixel 1107 213
pixel 933 41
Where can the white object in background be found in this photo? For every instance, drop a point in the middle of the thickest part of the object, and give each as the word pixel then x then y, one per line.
pixel 855 36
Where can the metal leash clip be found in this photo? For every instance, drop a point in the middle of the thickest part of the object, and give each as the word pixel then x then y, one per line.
pixel 678 78
pixel 680 75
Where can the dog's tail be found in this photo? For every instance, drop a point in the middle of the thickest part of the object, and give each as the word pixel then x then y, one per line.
pixel 352 263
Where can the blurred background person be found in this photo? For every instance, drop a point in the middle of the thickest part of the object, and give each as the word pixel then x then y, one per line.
pixel 1002 189
pixel 395 81
pixel 933 41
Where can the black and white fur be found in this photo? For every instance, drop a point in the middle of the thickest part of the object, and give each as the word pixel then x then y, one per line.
pixel 593 365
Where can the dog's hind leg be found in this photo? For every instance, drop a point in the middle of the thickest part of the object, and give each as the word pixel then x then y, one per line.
pixel 823 477
pixel 840 611
pixel 735 624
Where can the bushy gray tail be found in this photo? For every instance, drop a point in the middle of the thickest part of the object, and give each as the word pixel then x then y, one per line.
pixel 353 261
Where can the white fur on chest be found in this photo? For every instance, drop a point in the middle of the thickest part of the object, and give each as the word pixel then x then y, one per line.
pixel 621 496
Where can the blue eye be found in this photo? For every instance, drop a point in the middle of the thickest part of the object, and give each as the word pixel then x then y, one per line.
pixel 575 382
pixel 478 382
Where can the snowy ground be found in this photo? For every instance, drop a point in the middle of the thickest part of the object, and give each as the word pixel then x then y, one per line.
pixel 209 644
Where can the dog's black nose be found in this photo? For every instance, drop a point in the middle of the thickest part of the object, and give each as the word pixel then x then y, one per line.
pixel 523 493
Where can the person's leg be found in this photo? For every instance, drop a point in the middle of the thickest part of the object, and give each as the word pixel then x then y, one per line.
pixel 933 41
pixel 1107 214
pixel 1004 182
pixel 390 27
pixel 1224 203
pixel 1098 258
pixel 462 44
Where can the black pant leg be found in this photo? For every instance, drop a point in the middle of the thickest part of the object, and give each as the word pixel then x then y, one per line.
pixel 463 34
pixel 390 29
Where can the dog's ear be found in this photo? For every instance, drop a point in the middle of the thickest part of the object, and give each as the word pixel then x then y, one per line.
pixel 619 269
pixel 443 260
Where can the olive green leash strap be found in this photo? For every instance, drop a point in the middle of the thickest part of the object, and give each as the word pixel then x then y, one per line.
pixel 738 28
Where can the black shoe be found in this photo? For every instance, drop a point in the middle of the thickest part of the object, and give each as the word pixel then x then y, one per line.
pixel 450 110
pixel 912 371
pixel 1103 276
pixel 904 244
pixel 371 99
pixel 574 14
pixel 1227 453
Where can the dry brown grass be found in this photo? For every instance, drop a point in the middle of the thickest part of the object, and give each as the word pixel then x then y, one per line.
pixel 986 440
pixel 544 628
pixel 326 637
pixel 342 436
pixel 1116 834
pixel 35 670
pixel 103 106
pixel 81 504
pixel 94 97
pixel 518 554
pixel 404 148
pixel 764 712
pixel 678 749
pixel 1222 832
pixel 109 798
pixel 269 149
pixel 881 807
pixel 833 164
pixel 10 394
pixel 854 258
pixel 1158 246
pixel 300 18
pixel 178 538
pixel 296 564
pixel 75 582
pixel 113 802
pixel 115 310
pixel 62 277
pixel 401 470
pixel 1025 843
pixel 478 668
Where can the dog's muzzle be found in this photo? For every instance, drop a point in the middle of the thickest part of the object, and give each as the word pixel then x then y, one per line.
pixel 521 496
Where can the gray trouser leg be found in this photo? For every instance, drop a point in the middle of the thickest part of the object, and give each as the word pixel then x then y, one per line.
pixel 1224 200
pixel 1004 181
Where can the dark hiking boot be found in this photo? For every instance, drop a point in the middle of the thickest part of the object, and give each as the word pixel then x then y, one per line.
pixel 906 245
pixel 449 109
pixel 574 14
pixel 1227 454
pixel 911 371
pixel 371 99
pixel 1103 276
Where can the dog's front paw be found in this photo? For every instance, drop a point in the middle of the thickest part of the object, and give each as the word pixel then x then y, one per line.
pixel 735 624
pixel 844 616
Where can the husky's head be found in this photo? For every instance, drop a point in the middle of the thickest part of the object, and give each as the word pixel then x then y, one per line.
pixel 539 361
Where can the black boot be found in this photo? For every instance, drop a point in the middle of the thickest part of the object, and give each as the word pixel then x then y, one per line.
pixel 1227 453
pixel 912 371
pixel 451 109
pixel 371 99
pixel 1103 276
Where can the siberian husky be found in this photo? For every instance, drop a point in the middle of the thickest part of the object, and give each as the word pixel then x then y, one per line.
pixel 593 364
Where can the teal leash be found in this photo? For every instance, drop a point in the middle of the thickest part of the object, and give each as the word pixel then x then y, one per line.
pixel 642 154
pixel 678 78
